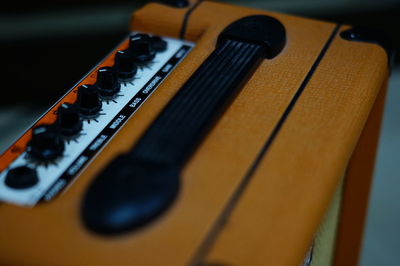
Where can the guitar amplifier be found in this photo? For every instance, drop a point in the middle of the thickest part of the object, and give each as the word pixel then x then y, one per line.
pixel 212 135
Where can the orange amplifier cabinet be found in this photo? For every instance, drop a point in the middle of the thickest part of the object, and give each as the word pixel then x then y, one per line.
pixel 213 135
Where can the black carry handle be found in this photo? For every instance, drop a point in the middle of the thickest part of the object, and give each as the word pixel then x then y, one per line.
pixel 143 183
pixel 177 130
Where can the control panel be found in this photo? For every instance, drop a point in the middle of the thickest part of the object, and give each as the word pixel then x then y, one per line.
pixel 49 155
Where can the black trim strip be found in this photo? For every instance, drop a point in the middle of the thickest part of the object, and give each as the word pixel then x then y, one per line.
pixel 206 245
pixel 186 19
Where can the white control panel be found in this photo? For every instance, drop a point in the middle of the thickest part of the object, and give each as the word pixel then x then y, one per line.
pixel 53 176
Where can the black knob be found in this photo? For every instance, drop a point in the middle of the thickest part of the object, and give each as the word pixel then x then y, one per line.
pixel 68 122
pixel 125 65
pixel 107 82
pixel 88 101
pixel 141 48
pixel 21 177
pixel 158 44
pixel 46 143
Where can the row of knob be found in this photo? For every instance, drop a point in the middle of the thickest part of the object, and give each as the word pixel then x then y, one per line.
pixel 47 142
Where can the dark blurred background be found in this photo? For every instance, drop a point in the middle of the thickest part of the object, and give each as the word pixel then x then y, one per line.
pixel 47 46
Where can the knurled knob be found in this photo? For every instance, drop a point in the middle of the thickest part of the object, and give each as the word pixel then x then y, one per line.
pixel 158 44
pixel 125 65
pixel 107 82
pixel 68 122
pixel 141 48
pixel 46 144
pixel 88 101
